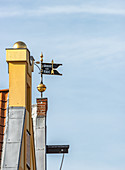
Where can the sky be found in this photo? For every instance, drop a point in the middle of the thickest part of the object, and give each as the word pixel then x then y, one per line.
pixel 86 106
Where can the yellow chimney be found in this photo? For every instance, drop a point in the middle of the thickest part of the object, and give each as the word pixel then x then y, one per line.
pixel 20 70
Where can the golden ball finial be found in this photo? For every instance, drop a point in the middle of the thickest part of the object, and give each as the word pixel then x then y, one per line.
pixel 19 44
pixel 41 87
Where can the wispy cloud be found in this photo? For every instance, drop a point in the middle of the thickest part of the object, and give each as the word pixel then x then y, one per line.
pixel 47 10
pixel 100 46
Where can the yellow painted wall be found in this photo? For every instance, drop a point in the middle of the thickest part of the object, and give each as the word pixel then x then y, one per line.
pixel 16 55
pixel 17 84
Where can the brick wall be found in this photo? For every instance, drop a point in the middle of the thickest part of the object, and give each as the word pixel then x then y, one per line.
pixel 42 106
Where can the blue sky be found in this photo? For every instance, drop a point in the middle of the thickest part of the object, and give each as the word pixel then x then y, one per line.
pixel 86 104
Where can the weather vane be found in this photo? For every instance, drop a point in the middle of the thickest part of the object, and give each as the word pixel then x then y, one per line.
pixel 46 68
pixel 50 69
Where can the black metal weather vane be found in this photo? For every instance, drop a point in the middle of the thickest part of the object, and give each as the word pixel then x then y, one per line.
pixel 50 68
pixel 46 68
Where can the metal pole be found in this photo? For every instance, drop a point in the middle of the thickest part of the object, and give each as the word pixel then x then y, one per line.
pixel 62 162
pixel 41 70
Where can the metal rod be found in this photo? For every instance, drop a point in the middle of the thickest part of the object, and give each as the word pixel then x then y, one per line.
pixel 41 71
pixel 37 67
pixel 62 162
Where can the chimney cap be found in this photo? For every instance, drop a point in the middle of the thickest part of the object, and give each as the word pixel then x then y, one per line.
pixel 19 44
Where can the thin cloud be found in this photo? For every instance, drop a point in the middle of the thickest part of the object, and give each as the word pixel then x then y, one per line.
pixel 46 10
